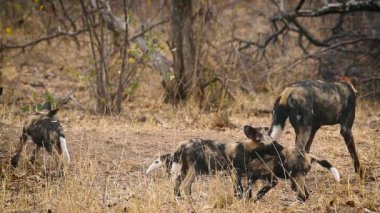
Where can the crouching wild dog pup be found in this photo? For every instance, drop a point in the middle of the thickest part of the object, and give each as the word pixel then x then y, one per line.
pixel 312 104
pixel 198 156
pixel 289 163
pixel 45 131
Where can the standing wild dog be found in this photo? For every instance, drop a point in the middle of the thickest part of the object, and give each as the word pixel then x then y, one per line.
pixel 198 156
pixel 290 163
pixel 312 104
pixel 45 131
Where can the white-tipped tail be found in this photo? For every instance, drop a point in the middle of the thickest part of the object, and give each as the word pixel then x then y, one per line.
pixel 276 132
pixel 155 165
pixel 174 171
pixel 62 141
pixel 335 173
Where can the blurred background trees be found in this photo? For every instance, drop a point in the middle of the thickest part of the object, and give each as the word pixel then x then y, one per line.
pixel 204 51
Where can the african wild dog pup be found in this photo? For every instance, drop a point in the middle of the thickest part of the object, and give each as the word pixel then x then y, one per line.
pixel 45 131
pixel 289 163
pixel 312 104
pixel 198 156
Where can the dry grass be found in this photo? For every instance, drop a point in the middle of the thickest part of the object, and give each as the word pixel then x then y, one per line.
pixel 110 156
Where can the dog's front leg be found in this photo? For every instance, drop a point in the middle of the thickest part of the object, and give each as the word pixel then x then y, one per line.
pixel 236 179
pixel 272 182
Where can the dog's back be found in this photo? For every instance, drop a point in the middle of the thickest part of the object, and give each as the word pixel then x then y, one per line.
pixel 45 131
pixel 309 105
pixel 288 162
pixel 206 155
pixel 327 100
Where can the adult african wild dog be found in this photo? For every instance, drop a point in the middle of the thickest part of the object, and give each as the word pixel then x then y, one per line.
pixel 290 163
pixel 198 156
pixel 45 131
pixel 312 104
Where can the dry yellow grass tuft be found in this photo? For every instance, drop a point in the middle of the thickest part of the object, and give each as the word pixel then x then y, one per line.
pixel 111 154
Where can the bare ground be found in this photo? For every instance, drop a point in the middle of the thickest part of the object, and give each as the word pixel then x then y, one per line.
pixel 110 156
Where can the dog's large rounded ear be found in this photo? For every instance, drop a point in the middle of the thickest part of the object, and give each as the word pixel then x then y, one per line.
pixel 52 113
pixel 46 106
pixel 252 133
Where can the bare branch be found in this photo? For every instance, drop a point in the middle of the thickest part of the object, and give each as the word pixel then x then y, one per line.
pixel 302 59
pixel 334 8
pixel 308 35
pixel 257 44
pixel 299 6
pixel 46 38
pixel 350 6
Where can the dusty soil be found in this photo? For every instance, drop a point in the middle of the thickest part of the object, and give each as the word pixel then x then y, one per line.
pixel 110 156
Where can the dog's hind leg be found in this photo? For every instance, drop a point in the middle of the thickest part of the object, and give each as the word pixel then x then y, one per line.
pixel 270 184
pixel 310 140
pixel 349 140
pixel 301 118
pixel 34 155
pixel 180 178
pixel 16 157
pixel 188 181
pixel 299 184
pixel 58 161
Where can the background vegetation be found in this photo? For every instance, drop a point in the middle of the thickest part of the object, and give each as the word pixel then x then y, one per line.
pixel 162 71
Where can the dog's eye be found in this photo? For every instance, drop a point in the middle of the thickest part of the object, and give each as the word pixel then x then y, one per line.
pixel 156 161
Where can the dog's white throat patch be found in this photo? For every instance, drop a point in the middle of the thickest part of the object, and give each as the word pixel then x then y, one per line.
pixel 155 165
pixel 174 171
pixel 276 132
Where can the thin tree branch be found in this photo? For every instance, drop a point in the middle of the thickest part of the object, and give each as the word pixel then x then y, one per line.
pixel 46 38
pixel 334 46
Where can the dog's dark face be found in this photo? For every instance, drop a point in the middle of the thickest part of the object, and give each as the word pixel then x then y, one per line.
pixel 258 135
pixel 163 159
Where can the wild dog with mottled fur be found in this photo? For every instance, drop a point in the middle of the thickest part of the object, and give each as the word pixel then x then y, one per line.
pixel 198 156
pixel 312 104
pixel 289 163
pixel 45 131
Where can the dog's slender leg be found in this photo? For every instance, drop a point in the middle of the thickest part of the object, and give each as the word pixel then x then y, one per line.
pixel 58 161
pixel 301 118
pixel 180 178
pixel 349 140
pixel 310 140
pixel 33 157
pixel 251 181
pixel 302 194
pixel 236 179
pixel 188 181
pixel 270 184
pixel 16 157
pixel 177 184
pixel 303 134
pixel 293 185
pixel 345 131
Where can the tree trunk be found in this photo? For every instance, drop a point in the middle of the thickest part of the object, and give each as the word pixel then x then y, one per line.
pixel 184 77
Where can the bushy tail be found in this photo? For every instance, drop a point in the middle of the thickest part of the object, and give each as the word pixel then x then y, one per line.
pixel 63 144
pixel 280 114
pixel 327 165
